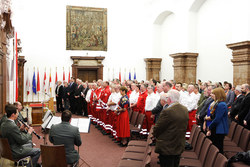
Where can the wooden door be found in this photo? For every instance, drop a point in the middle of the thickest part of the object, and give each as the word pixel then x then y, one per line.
pixel 87 75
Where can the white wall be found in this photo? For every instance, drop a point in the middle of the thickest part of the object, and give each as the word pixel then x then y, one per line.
pixel 190 26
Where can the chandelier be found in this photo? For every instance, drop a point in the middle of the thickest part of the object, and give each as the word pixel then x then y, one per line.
pixel 5 6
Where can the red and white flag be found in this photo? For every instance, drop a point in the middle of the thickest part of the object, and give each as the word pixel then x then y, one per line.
pixel 27 83
pixel 69 77
pixel 44 81
pixel 50 82
pixel 38 81
pixel 63 74
pixel 56 76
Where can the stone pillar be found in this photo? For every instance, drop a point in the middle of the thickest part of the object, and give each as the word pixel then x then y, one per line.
pixel 241 62
pixel 153 68
pixel 185 67
pixel 21 62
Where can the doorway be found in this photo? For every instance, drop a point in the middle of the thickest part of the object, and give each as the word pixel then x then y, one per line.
pixel 87 75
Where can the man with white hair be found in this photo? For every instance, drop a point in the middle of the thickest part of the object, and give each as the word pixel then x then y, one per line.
pixel 172 122
pixel 235 108
pixel 189 100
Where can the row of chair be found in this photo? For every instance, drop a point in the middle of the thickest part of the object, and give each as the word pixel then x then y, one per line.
pixel 204 153
pixel 236 141
pixel 137 154
pixel 136 121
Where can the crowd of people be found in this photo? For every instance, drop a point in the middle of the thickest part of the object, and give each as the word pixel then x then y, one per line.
pixel 103 101
pixel 172 107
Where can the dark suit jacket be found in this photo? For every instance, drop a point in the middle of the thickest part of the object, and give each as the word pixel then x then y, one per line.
pixel 16 139
pixel 236 106
pixel 72 88
pixel 157 110
pixel 203 111
pixel 85 91
pixel 245 106
pixel 60 92
pixel 170 130
pixel 78 90
pixel 68 135
pixel 66 90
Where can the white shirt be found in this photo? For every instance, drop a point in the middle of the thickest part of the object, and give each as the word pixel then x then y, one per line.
pixel 151 102
pixel 88 95
pixel 134 97
pixel 197 97
pixel 115 98
pixel 188 100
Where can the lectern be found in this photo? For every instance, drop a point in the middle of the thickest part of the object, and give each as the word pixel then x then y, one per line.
pixel 39 109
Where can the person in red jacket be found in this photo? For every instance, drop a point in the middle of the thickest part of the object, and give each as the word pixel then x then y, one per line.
pixel 142 98
pixel 103 103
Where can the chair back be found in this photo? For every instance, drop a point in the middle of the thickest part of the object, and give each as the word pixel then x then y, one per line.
pixel 134 118
pixel 237 134
pixel 192 133
pixel 5 149
pixel 204 149
pixel 232 130
pixel 244 139
pixel 199 143
pixel 196 135
pixel 220 160
pixel 53 156
pixel 140 120
pixel 130 112
pixel 211 155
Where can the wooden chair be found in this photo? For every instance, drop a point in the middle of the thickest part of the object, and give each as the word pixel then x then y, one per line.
pixel 54 156
pixel 6 153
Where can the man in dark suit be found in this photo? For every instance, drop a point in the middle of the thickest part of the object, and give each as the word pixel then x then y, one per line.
pixel 66 96
pixel 19 142
pixel 245 105
pixel 235 108
pixel 59 96
pixel 84 93
pixel 72 88
pixel 170 129
pixel 68 135
pixel 78 97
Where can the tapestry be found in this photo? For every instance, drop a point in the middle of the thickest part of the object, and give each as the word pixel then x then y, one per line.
pixel 86 28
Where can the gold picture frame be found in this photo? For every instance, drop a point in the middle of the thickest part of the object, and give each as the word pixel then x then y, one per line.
pixel 86 28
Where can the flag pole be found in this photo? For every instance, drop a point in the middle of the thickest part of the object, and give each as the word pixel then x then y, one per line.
pixel 44 85
pixel 32 88
pixel 37 83
pixel 27 86
pixel 13 69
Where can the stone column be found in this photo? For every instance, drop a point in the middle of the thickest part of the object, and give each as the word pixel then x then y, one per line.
pixel 185 67
pixel 153 68
pixel 21 62
pixel 241 62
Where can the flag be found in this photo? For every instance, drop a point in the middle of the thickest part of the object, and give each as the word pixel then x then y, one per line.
pixel 34 83
pixel 27 83
pixel 120 77
pixel 56 77
pixel 69 77
pixel 12 70
pixel 134 75
pixel 44 81
pixel 125 71
pixel 129 75
pixel 38 82
pixel 63 74
pixel 50 82
pixel 16 66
